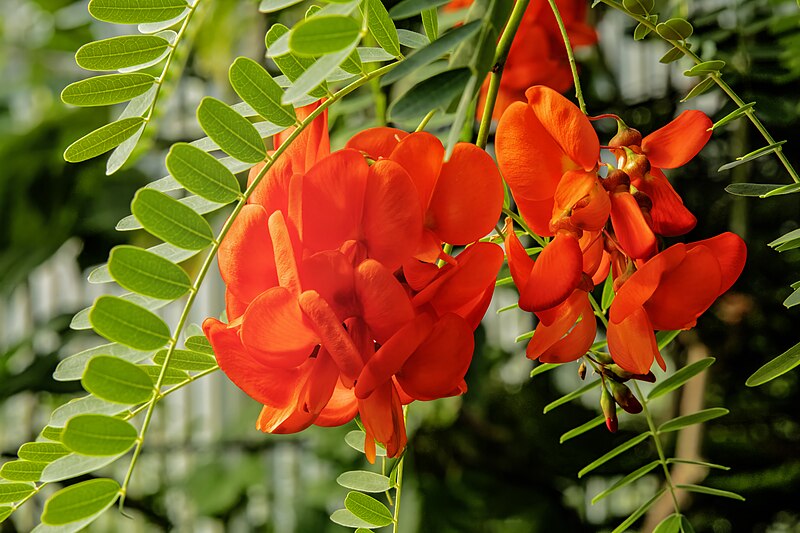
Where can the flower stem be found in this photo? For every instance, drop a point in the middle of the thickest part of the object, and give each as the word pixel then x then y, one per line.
pixel 500 56
pixel 659 449
pixel 572 65
pixel 399 482
pixel 598 311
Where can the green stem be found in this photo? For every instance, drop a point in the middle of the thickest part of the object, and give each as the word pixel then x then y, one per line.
pixel 572 65
pixel 399 482
pixel 598 311
pixel 500 56
pixel 157 395
pixel 518 219
pixel 659 449
pixel 750 113
pixel 426 119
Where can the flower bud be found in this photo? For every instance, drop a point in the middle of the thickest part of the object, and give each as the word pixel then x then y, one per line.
pixel 625 136
pixel 624 397
pixel 636 165
pixel 609 410
pixel 617 181
pixel 582 371
pixel 616 373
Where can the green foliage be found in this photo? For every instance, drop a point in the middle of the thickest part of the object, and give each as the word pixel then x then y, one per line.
pixel 293 66
pixel 170 220
pixel 679 378
pixel 571 396
pixel 255 86
pixel 675 29
pixel 127 323
pixel 643 8
pixel 74 465
pixel 638 513
pixel 85 404
pixel 382 28
pixel 186 360
pixel 761 190
pixel 108 89
pixel 144 272
pixel 699 417
pixel 671 524
pixel 324 34
pixel 627 480
pixel 706 67
pixel 231 131
pixel 73 366
pixel 364 481
pixel 21 470
pixel 345 518
pixel 409 8
pixel 710 491
pixel 624 447
pixel 438 91
pixel 121 52
pixel 116 380
pixel 14 492
pixel 41 452
pixel 733 115
pixel 673 54
pixel 140 12
pixel 430 22
pixel 103 139
pixel 761 152
pixel 355 439
pixel 98 435
pixel 80 501
pixel 776 367
pixel 699 89
pixel 368 509
pixel 199 343
pixel 201 173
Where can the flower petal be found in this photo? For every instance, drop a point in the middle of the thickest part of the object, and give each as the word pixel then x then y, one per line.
pixel 311 145
pixel 331 275
pixel 679 141
pixel 385 305
pixel 284 249
pixel 476 269
pixel 578 341
pixel 633 233
pixel 556 273
pixel 559 320
pixel 670 217
pixel 341 408
pixel 520 263
pixel 322 379
pixel 731 253
pixel 632 343
pixel 421 155
pixel 377 143
pixel 382 415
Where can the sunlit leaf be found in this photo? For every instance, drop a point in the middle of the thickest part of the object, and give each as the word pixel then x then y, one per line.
pixel 711 491
pixel 430 23
pixel 107 89
pixel 627 480
pixel 583 428
pixel 639 512
pixel 761 152
pixel 608 293
pixel 120 52
pixel 541 368
pixel 171 221
pixel 202 173
pixel 382 28
pixel 699 89
pixel 323 34
pixel 51 433
pixel 200 344
pixel 368 509
pixel 675 29
pixel 673 54
pixel 777 367
pixel 309 79
pixel 412 39
pixel 408 8
pixel 762 190
pixel 186 360
pixel 5 512
pixel 171 375
pixel 641 31
pixel 291 65
pixel 81 319
pixel 680 377
pixel 102 139
pixel 706 67
pixel 198 204
pixel 85 404
pixel 364 481
pixel 675 460
pixel 116 380
pixel 699 417
pixel 738 112
pixel 643 8
pixel 21 470
pixel 80 501
pixel 271 6
pixel 127 323
pixel 14 492
pixel 571 396
pixel 625 446
pixel 138 12
pixel 144 272
pixel 72 367
pixel 345 518
pixel 98 435
pixel 355 439
pixel 663 338
pixel 231 131
pixel 255 86
pixel 438 91
pixel 42 452
pixel 74 465
pixel 671 524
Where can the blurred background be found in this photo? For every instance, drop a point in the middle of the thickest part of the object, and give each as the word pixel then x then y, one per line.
pixel 487 462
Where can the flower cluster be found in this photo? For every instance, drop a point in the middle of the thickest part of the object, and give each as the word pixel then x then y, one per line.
pixel 549 155
pixel 336 303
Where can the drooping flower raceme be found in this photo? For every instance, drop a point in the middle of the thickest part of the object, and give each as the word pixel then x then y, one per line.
pixel 335 303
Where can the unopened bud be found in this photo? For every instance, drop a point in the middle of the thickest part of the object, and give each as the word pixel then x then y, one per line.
pixel 582 371
pixel 609 410
pixel 636 165
pixel 649 377
pixel 624 397
pixel 644 202
pixel 625 136
pixel 617 181
pixel 616 373
pixel 603 358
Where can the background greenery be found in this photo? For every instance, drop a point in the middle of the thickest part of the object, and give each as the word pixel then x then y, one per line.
pixel 489 461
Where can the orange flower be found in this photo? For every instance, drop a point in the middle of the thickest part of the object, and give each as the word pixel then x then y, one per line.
pixel 669 292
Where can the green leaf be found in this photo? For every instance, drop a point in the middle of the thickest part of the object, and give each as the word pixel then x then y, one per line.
pixel 777 367
pixel 571 396
pixel 643 8
pixel 98 435
pixel 699 417
pixel 116 380
pixel 438 91
pixel 706 67
pixel 85 404
pixel 627 480
pixel 309 79
pixel 671 524
pixel 74 465
pixel 680 377
pixel 362 529
pixel 72 367
pixel 291 65
pixel 738 112
pixel 663 338
pixel 364 481
pixel 51 433
pixel 541 368
pixel 138 12
pixel 255 86
pixel 120 52
pixel 170 220
pixel 42 452
pixel 355 439
pixel 583 428
pixel 106 90
pixel 144 272
pixel 198 204
pixel 673 54
pixel 14 492
pixel 608 293
pixel 640 32
pixel 412 39
pixel 431 52
pixel 271 6
pixel 382 28
pixel 639 512
pixel 368 509
pixel 231 131
pixel 127 323
pixel 793 298
pixel 345 518
pixel 430 22
pixel 761 152
pixel 686 526
pixel 198 343
pixel 202 173
pixel 699 89
pixel 171 376
pixel 5 512
pixel 786 238
pixel 408 8
pixel 625 446
pixel 165 250
pixel 710 491
pixel 675 29
pixel 102 139
pixel 21 470
pixel 80 501
pixel 762 190
pixel 675 460
pixel 186 360
pixel 323 34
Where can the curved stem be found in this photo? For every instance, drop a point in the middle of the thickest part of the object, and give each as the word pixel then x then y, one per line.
pixel 750 113
pixel 659 449
pixel 572 65
pixel 157 395
pixel 518 219
pixel 598 311
pixel 500 56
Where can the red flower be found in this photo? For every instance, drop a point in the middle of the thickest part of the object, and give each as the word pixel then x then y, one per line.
pixel 669 292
